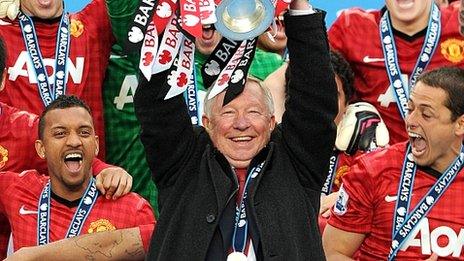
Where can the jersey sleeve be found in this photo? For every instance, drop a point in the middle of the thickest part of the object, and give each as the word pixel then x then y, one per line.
pixel 98 166
pixel 146 231
pixel 145 220
pixel 355 202
pixel 336 33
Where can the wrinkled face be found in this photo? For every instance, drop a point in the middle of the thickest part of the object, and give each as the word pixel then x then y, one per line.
pixel 45 9
pixel 69 145
pixel 341 100
pixel 435 139
pixel 278 46
pixel 209 40
pixel 409 13
pixel 243 127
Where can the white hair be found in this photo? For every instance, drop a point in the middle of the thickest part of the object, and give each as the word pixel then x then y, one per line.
pixel 269 102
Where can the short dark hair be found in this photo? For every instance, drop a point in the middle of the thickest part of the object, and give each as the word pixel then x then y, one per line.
pixel 62 102
pixel 2 58
pixel 451 80
pixel 343 70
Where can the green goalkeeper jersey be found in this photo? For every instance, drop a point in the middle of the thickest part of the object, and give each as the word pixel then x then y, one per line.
pixel 123 145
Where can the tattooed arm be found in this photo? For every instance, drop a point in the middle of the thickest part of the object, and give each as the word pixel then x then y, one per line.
pixel 124 244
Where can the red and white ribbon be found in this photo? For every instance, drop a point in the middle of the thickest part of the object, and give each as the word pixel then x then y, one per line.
pixel 148 51
pixel 169 47
pixel 180 78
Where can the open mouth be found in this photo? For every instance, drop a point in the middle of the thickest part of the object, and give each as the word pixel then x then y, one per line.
pixel 208 32
pixel 73 161
pixel 418 144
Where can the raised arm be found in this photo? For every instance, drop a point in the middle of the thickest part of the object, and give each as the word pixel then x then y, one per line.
pixel 307 124
pixel 167 133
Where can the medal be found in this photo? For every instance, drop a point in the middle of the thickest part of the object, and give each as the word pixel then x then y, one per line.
pixel 237 256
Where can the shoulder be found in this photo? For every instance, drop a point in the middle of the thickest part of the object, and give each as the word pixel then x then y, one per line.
pixel 379 161
pixel 133 201
pixel 17 117
pixel 27 179
pixel 354 17
pixel 92 14
pixel 450 20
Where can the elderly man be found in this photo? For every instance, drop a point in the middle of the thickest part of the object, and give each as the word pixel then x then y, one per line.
pixel 241 164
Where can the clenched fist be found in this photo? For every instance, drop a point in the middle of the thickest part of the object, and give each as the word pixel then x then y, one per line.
pixel 9 8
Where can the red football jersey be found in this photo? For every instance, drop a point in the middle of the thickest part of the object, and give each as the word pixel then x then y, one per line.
pixel 19 195
pixel 370 193
pixel 356 35
pixel 91 40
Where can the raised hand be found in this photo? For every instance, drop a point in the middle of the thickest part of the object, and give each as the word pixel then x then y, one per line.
pixel 362 128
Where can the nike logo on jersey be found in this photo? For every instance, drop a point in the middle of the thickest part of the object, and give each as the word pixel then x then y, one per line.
pixel 368 59
pixel 24 211
pixel 389 198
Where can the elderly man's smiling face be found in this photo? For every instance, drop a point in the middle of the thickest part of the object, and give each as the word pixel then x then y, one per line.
pixel 240 129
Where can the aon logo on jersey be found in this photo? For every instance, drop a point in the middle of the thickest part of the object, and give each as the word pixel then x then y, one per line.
pixel 442 240
pixel 24 67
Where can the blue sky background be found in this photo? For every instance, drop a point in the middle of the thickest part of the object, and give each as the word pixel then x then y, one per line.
pixel 331 6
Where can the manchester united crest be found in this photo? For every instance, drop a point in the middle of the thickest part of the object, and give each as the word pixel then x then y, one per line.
pixel 76 28
pixel 453 50
pixel 341 171
pixel 3 156
pixel 100 225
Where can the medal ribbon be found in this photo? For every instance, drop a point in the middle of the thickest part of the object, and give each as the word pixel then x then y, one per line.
pixel 333 163
pixel 405 223
pixel 191 98
pixel 47 93
pixel 240 235
pixel 391 56
pixel 77 222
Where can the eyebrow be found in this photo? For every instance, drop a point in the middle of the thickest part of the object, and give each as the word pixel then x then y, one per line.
pixel 410 100
pixel 83 126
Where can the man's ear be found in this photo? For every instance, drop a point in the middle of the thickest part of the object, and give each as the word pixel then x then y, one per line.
pixel 97 146
pixel 39 148
pixel 206 122
pixel 272 123
pixel 460 126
